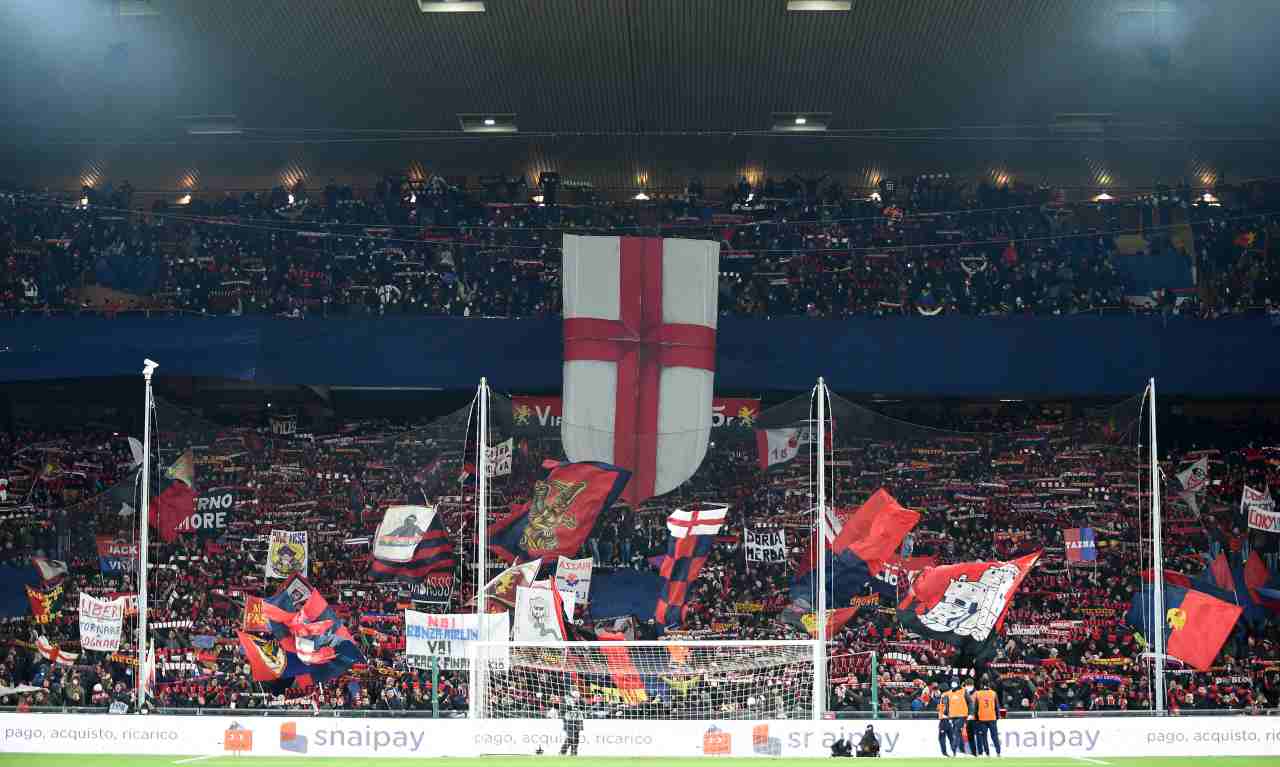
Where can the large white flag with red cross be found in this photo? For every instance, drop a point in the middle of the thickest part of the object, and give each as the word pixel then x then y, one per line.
pixel 639 356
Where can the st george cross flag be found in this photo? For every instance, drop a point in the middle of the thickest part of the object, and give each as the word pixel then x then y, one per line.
pixel 693 531
pixel 560 514
pixel 964 604
pixel 420 531
pixel 639 356
pixel 1081 544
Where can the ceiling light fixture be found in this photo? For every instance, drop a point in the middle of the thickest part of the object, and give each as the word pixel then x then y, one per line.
pixel 819 5
pixel 488 123
pixel 451 6
pixel 800 122
pixel 641 196
pixel 212 125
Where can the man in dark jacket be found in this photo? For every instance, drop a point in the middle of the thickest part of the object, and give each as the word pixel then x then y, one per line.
pixel 870 744
pixel 572 718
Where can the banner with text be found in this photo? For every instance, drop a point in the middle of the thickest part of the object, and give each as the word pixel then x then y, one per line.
pixel 765 544
pixel 535 414
pixel 101 623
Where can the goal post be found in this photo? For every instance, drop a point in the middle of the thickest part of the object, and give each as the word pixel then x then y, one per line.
pixel 696 680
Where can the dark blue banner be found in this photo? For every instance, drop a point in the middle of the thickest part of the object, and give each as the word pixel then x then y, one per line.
pixel 944 356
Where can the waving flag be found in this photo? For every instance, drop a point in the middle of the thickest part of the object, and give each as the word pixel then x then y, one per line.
pixel 49 569
pixel 639 356
pixel 964 604
pixel 1195 624
pixel 308 631
pixel 692 533
pixel 867 539
pixel 876 530
pixel 777 446
pixel 44 604
pixel 561 514
pixel 1195 477
pixel 1081 544
pixel 170 511
pixel 411 542
pixel 500 592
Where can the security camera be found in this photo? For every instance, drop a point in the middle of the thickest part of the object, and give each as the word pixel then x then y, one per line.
pixel 148 366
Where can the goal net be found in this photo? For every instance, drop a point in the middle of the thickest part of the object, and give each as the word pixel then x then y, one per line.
pixel 647 680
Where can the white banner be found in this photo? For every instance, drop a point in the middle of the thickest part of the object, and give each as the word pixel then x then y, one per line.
pixel 574 575
pixel 764 544
pixel 451 637
pixel 536 616
pixel 101 622
pixel 287 553
pixel 567 598
pixel 401 530
pixel 1058 740
pixel 499 458
pixel 1260 509
pixel 1196 476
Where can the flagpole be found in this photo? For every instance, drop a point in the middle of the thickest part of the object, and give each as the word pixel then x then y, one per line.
pixel 820 653
pixel 1157 563
pixel 144 505
pixel 482 523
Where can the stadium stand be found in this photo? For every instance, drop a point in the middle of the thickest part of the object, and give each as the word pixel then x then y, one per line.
pixel 784 253
pixel 1016 477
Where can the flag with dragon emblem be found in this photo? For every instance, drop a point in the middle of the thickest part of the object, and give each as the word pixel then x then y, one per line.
pixel 560 514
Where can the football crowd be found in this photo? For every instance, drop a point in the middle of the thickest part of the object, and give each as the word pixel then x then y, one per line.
pixel 1011 484
pixel 786 250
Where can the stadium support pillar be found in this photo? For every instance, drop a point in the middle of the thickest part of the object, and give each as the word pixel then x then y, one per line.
pixel 144 507
pixel 1157 562
pixel 478 692
pixel 435 687
pixel 875 685
pixel 820 642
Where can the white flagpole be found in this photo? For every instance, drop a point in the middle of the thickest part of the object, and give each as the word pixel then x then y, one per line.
pixel 482 521
pixel 144 506
pixel 820 654
pixel 1157 562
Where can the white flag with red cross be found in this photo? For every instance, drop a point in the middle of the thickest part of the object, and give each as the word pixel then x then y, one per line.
pixel 639 356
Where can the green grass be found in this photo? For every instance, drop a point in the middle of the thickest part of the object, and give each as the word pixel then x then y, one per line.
pixel 107 760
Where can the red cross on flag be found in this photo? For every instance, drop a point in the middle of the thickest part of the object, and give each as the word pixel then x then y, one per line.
pixel 639 356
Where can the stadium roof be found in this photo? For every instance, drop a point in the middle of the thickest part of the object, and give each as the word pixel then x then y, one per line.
pixel 641 92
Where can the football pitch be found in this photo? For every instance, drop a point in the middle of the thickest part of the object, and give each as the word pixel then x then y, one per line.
pixel 108 760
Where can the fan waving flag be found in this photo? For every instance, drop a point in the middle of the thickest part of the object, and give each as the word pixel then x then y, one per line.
pixel 964 604
pixel 170 511
pixel 411 542
pixel 308 631
pixel 1082 545
pixel 561 513
pixel 692 533
pixel 867 539
pixel 639 356
pixel 876 529
pixel 1195 624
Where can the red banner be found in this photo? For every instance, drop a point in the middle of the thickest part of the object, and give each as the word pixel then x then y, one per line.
pixel 532 413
